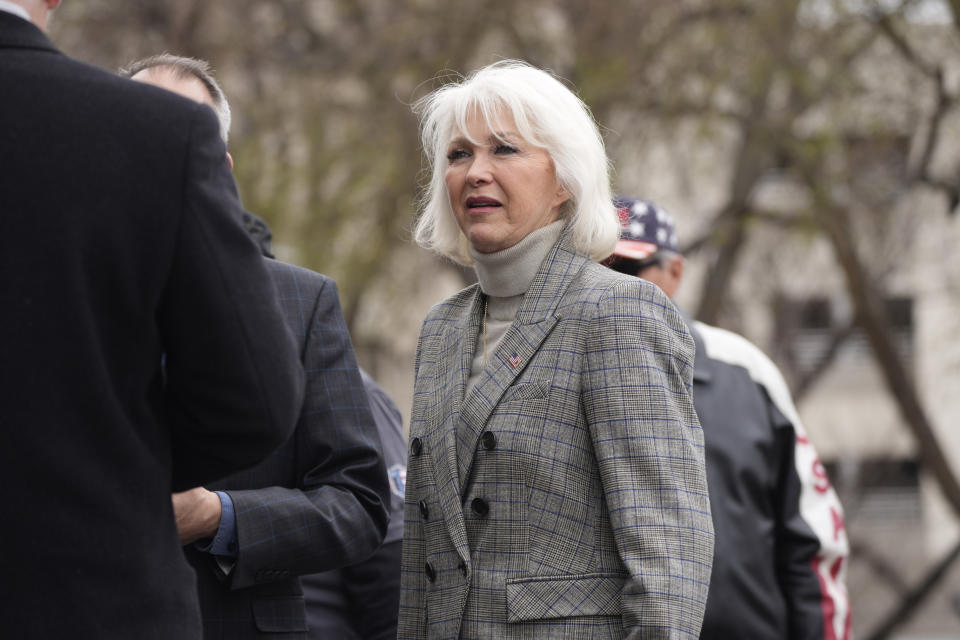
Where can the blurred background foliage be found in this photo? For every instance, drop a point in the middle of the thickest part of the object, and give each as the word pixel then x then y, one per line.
pixel 327 148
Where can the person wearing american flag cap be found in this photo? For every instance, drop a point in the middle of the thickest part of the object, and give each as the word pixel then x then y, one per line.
pixel 779 564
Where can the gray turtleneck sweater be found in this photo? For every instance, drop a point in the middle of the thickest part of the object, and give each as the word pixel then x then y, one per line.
pixel 505 277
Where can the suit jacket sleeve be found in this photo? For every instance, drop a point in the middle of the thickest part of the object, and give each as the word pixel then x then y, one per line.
pixel 234 382
pixel 373 589
pixel 337 513
pixel 649 449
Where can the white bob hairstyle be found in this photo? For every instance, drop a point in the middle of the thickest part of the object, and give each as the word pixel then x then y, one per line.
pixel 547 115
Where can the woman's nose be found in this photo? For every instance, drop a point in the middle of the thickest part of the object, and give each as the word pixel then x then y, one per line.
pixel 480 171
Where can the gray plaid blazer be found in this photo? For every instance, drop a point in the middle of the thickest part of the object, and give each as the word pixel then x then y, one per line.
pixel 565 497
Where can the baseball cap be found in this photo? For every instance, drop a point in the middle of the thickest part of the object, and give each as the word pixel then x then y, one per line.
pixel 647 228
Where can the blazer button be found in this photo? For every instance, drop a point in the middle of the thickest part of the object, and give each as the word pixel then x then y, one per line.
pixel 416 446
pixel 430 571
pixel 480 507
pixel 489 440
pixel 424 510
pixel 463 568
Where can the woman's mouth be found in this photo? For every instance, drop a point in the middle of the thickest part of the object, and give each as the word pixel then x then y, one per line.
pixel 482 203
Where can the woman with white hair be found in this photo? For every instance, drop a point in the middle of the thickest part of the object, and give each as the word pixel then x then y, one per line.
pixel 555 481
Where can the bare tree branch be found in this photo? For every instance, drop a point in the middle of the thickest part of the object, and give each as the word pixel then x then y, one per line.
pixel 878 562
pixel 839 70
pixel 900 42
pixel 731 233
pixel 722 270
pixel 955 11
pixel 872 318
pixel 922 172
pixel 943 103
pixel 915 596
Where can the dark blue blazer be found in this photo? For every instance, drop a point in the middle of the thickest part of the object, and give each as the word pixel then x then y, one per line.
pixel 121 241
pixel 320 501
pixel 360 602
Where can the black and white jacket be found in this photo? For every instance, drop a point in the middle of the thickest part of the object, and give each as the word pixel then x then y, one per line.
pixel 781 547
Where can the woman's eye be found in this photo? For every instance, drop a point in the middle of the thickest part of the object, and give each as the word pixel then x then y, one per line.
pixel 504 149
pixel 456 154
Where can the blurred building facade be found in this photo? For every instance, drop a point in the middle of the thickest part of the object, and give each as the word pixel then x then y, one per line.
pixel 789 296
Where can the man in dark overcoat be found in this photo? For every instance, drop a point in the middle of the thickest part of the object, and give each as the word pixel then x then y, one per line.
pixel 143 349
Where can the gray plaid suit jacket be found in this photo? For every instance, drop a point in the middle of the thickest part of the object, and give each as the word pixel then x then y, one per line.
pixel 565 497
pixel 317 503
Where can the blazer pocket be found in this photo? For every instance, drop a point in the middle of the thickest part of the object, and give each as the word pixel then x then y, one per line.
pixel 540 598
pixel 283 614
pixel 535 390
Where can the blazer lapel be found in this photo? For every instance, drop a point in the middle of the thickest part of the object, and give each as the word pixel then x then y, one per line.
pixel 534 322
pixel 453 367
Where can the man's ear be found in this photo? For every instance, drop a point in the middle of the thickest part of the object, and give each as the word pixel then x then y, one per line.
pixel 230 160
pixel 675 269
pixel 52 4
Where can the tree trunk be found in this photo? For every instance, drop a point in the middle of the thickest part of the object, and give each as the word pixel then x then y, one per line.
pixel 872 318
pixel 915 597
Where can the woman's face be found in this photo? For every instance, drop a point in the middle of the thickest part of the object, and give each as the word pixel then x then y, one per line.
pixel 502 188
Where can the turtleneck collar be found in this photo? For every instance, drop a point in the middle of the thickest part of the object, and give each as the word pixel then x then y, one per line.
pixel 509 272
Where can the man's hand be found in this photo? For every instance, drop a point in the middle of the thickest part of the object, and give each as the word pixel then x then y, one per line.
pixel 197 512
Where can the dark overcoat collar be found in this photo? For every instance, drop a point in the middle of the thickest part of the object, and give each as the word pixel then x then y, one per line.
pixel 17 33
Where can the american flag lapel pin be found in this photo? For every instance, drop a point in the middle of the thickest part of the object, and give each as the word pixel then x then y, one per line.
pixel 515 361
